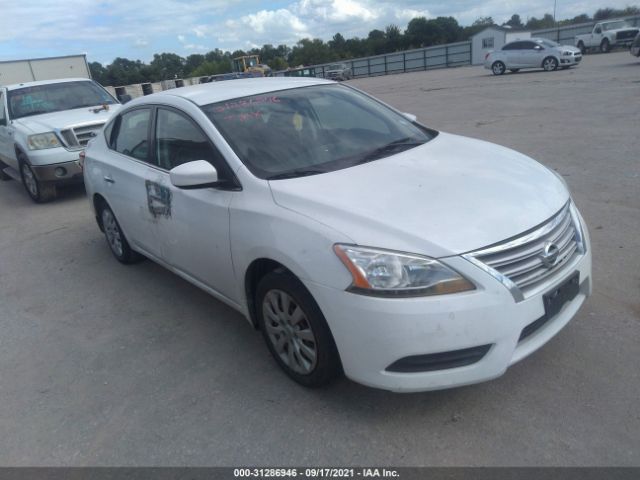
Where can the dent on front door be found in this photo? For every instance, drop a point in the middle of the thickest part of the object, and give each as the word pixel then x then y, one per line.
pixel 158 199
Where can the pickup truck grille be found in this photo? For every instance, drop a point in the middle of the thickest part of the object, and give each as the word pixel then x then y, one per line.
pixel 79 136
pixel 528 260
pixel 626 34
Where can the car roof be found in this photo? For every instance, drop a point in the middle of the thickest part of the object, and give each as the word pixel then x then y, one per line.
pixel 44 82
pixel 206 93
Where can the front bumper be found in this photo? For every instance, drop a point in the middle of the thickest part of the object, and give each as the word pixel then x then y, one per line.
pixel 570 60
pixel 56 165
pixel 372 333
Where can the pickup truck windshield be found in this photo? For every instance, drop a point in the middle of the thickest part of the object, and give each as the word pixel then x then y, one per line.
pixel 615 25
pixel 55 97
pixel 312 130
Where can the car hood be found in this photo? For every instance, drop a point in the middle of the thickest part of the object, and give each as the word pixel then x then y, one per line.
pixel 446 197
pixel 568 48
pixel 48 122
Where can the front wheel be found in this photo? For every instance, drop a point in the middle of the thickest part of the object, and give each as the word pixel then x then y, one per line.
pixel 40 192
pixel 295 330
pixel 605 46
pixel 498 68
pixel 549 64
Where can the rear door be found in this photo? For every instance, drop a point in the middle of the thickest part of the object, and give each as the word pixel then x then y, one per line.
pixel 6 135
pixel 126 172
pixel 195 234
pixel 512 54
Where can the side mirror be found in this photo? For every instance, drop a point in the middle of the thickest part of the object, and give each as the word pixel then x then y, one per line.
pixel 196 174
pixel 410 116
pixel 538 47
pixel 598 30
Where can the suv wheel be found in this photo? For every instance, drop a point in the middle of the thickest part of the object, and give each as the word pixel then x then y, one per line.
pixel 295 330
pixel 605 46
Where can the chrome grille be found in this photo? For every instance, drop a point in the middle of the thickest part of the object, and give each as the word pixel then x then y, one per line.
pixel 79 136
pixel 526 261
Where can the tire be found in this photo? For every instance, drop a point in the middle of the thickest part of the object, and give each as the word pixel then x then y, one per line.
pixel 514 70
pixel 296 332
pixel 605 46
pixel 40 192
pixel 116 240
pixel 550 64
pixel 582 48
pixel 3 176
pixel 498 68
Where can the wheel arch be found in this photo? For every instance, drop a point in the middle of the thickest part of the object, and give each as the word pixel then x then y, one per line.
pixel 256 270
pixel 98 202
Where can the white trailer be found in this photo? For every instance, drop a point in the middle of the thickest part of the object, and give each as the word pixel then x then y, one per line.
pixel 29 70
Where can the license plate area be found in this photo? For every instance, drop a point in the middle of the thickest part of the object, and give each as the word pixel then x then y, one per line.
pixel 555 299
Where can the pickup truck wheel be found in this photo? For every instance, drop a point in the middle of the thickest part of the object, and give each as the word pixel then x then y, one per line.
pixel 605 46
pixel 295 330
pixel 549 64
pixel 40 192
pixel 3 176
pixel 115 238
pixel 498 68
pixel 582 48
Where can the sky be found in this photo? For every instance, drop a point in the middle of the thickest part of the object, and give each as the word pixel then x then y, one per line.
pixel 136 29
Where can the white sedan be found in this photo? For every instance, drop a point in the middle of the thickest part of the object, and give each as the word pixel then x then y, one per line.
pixel 356 239
pixel 532 53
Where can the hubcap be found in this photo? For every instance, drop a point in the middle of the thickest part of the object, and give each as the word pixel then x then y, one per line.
pixel 549 64
pixel 497 68
pixel 289 332
pixel 112 231
pixel 29 180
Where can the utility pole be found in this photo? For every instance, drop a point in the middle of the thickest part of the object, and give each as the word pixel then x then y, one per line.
pixel 555 5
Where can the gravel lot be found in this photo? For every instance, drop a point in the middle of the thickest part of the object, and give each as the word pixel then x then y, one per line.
pixel 102 364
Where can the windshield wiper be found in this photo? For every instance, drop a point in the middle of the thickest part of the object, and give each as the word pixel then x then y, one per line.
pixel 395 146
pixel 302 172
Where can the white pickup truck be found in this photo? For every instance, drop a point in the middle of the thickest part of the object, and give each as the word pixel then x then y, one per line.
pixel 44 126
pixel 606 35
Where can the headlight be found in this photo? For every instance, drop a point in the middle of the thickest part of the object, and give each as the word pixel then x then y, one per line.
pixel 42 141
pixel 387 273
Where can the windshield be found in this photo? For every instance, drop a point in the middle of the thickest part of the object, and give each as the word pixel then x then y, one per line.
pixel 548 43
pixel 312 130
pixel 615 25
pixel 55 97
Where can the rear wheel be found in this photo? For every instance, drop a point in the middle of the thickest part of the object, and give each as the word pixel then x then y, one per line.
pixel 498 68
pixel 549 64
pixel 115 238
pixel 40 192
pixel 605 46
pixel 295 330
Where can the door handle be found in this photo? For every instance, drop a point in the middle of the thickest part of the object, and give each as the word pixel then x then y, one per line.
pixel 108 179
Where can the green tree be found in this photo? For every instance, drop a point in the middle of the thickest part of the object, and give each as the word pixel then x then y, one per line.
pixel 515 21
pixel 168 65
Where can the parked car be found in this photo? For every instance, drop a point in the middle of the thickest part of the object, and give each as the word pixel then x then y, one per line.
pixel 606 35
pixel 44 126
pixel 338 71
pixel 355 238
pixel 635 46
pixel 532 53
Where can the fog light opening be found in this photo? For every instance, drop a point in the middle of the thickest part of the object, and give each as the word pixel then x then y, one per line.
pixel 60 171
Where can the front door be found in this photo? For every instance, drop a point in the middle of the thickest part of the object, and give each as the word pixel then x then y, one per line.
pixel 195 230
